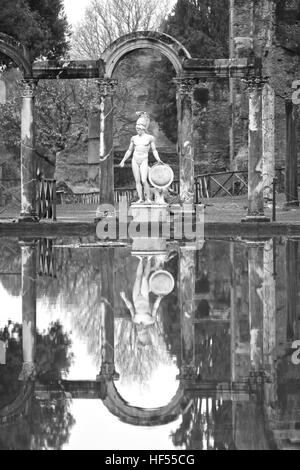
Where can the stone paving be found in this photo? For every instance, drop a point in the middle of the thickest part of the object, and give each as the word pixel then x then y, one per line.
pixel 222 221
pixel 217 210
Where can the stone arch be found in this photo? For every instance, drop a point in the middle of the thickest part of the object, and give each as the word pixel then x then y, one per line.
pixel 168 46
pixel 13 49
pixel 138 416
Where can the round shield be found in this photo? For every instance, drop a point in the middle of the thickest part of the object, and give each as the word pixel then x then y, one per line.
pixel 161 283
pixel 161 176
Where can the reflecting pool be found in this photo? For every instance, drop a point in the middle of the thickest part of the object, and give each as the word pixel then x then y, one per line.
pixel 175 349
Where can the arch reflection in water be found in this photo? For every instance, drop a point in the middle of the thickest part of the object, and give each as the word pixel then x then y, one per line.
pixel 236 386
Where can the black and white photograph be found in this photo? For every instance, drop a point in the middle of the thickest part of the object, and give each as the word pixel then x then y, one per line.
pixel 150 228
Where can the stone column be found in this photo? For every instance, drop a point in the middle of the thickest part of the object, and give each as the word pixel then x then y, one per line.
pixel 256 304
pixel 3 91
pixel 269 325
pixel 269 305
pixel 28 164
pixel 268 137
pixel 93 146
pixel 255 157
pixel 240 344
pixel 106 150
pixel 187 276
pixel 292 273
pixel 106 312
pixel 291 165
pixel 29 309
pixel 185 88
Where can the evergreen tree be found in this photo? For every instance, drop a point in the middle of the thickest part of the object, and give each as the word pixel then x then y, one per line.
pixel 40 25
pixel 202 26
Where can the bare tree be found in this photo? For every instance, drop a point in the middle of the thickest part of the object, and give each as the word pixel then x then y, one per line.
pixel 106 20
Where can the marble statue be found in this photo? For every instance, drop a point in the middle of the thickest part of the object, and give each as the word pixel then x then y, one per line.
pixel 142 314
pixel 140 146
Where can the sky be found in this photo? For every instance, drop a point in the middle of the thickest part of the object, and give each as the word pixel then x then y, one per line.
pixel 91 416
pixel 75 9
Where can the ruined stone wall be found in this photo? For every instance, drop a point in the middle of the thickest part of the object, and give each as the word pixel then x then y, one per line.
pixel 211 124
pixel 259 28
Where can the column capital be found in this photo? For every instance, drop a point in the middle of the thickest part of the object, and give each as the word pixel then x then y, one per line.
pixel 27 87
pixel 255 83
pixel 189 373
pixel 28 372
pixel 107 86
pixel 185 85
pixel 108 372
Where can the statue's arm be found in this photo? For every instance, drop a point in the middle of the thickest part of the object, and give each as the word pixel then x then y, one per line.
pixel 154 149
pixel 156 306
pixel 128 304
pixel 128 153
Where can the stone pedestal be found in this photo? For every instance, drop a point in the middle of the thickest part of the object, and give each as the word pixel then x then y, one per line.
pixel 149 213
pixel 148 218
pixel 149 246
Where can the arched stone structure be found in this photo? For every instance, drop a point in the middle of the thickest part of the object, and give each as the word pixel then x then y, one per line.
pixel 163 43
pixel 15 52
pixel 178 56
pixel 139 416
pixel 13 49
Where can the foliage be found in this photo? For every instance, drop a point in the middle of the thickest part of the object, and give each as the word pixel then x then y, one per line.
pixel 202 26
pixel 144 82
pixel 48 423
pixel 204 430
pixel 62 114
pixel 40 25
pixel 106 20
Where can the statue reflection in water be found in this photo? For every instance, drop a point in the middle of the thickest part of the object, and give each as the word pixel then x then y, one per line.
pixel 142 314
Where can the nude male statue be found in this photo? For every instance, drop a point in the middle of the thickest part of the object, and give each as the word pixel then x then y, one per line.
pixel 143 316
pixel 140 146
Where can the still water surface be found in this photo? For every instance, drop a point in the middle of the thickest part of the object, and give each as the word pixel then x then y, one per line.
pixel 103 349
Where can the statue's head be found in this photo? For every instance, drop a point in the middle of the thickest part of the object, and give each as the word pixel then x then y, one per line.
pixel 143 122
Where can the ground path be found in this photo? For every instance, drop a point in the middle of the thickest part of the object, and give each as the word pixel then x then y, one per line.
pixel 222 217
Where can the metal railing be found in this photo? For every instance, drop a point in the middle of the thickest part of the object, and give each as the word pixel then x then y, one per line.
pixel 46 258
pixel 46 199
pixel 211 185
pixel 229 184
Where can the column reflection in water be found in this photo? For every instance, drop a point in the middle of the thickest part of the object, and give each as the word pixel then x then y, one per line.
pixel 292 272
pixel 254 404
pixel 107 332
pixel 29 259
pixel 256 274
pixel 187 311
